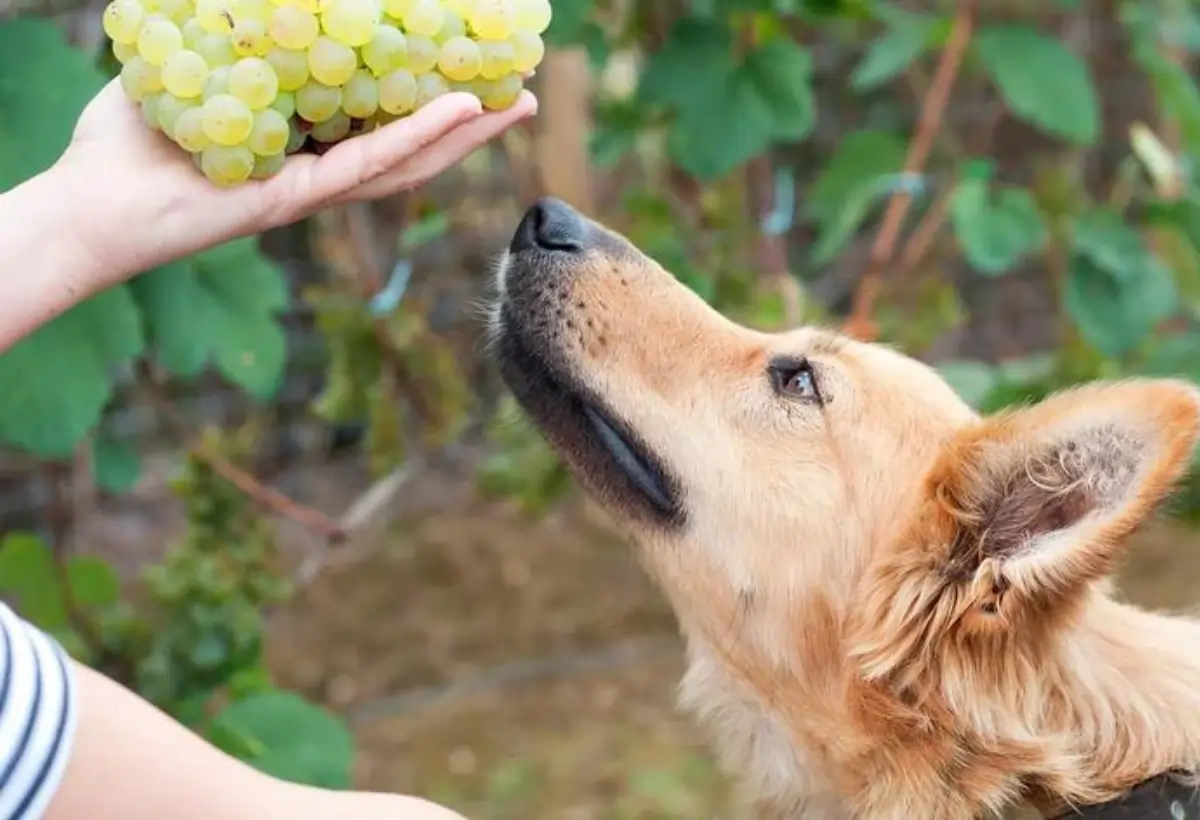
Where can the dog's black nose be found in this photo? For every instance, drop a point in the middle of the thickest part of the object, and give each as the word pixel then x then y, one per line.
pixel 550 225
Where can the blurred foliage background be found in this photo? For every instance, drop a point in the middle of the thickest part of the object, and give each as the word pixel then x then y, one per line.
pixel 277 488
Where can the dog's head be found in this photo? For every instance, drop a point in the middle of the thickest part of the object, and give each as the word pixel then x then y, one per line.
pixel 754 469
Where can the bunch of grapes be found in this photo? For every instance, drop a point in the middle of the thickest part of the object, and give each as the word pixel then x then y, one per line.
pixel 241 84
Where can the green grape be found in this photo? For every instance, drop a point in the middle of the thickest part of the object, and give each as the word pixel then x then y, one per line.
pixel 316 102
pixel 331 62
pixel 291 67
pixel 192 33
pixel 269 135
pixel 214 16
pixel 227 120
pixel 216 49
pixel 452 26
pixel 528 51
pixel 459 59
pixel 177 11
pixel 494 19
pixel 227 165
pixel 250 38
pixel 422 54
pixel 184 74
pixel 360 95
pixel 351 22
pixel 398 92
pixel 386 51
pixel 497 58
pixel 533 15
pixel 149 108
pixel 158 40
pixel 189 131
pixel 396 9
pixel 139 78
pixel 253 81
pixel 124 52
pixel 293 28
pixel 267 167
pixel 496 95
pixel 170 109
pixel 296 138
pixel 122 20
pixel 217 83
pixel 423 17
pixel 430 87
pixel 285 104
pixel 333 129
pixel 462 8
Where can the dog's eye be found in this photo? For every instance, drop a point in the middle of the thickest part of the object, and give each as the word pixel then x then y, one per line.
pixel 796 380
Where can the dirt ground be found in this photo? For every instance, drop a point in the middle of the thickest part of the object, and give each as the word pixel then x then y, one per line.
pixel 513 668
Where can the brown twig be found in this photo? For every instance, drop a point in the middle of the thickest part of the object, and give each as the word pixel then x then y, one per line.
pixel 861 322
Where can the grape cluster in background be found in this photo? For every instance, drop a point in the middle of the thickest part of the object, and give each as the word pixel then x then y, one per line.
pixel 241 84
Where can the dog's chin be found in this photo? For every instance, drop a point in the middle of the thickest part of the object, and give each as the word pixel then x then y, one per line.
pixel 604 453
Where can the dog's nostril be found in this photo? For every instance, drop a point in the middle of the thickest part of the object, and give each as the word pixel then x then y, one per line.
pixel 550 225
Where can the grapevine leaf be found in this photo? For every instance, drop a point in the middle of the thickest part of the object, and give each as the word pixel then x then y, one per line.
pixel 294 739
pixel 695 60
pixel 567 24
pixel 94 583
pixel 907 37
pixel 218 306
pixel 781 71
pixel 849 218
pixel 860 158
pixel 1113 314
pixel 995 232
pixel 116 465
pixel 1111 244
pixel 709 140
pixel 28 574
pixel 1041 81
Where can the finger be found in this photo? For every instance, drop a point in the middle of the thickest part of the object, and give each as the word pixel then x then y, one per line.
pixel 437 157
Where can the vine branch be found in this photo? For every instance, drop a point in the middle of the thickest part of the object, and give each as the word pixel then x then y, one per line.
pixel 861 322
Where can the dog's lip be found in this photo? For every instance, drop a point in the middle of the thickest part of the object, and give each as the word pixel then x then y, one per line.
pixel 625 454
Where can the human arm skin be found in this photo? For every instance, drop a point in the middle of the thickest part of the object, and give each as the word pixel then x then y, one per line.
pixel 130 761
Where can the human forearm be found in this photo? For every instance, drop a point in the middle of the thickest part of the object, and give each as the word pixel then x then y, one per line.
pixel 46 268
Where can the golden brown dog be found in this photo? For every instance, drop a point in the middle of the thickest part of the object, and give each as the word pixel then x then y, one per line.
pixel 894 609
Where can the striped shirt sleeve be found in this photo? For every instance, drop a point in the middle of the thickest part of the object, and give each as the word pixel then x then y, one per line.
pixel 38 712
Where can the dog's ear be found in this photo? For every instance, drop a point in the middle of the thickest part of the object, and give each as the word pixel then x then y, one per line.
pixel 1040 498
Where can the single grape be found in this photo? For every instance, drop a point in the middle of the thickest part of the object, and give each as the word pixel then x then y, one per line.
pixel 533 15
pixel 423 17
pixel 398 92
pixel 217 83
pixel 123 19
pixel 351 22
pixel 124 52
pixel 192 33
pixel 422 54
pixel 396 9
pixel 331 62
pixel 296 138
pixel 253 81
pixel 360 95
pixel 189 131
pixel 170 109
pixel 149 108
pixel 139 78
pixel 452 26
pixel 316 102
pixel 528 51
pixel 496 95
pixel 291 27
pixel 158 40
pixel 285 104
pixel 227 120
pixel 291 67
pixel 333 129
pixel 494 19
pixel 386 51
pixel 214 16
pixel 269 134
pixel 267 167
pixel 250 38
pixel 430 87
pixel 216 49
pixel 459 59
pixel 184 74
pixel 496 59
pixel 227 165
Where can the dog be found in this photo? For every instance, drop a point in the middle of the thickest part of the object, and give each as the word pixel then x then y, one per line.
pixel 893 607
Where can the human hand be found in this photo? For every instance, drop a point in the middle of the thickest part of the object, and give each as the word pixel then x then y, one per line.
pixel 138 200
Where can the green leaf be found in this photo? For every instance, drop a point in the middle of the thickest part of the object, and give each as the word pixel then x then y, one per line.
pixel 44 85
pixel 995 232
pixel 566 26
pixel 116 465
pixel 735 123
pixel 781 71
pixel 296 740
pixel 57 379
pixel 695 61
pixel 907 37
pixel 28 573
pixel 973 381
pixel 218 306
pixel 1174 356
pixel 1111 244
pixel 1041 81
pixel 94 583
pixel 861 158
pixel 854 211
pixel 1113 314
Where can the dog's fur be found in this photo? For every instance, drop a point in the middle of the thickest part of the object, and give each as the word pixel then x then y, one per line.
pixel 894 609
